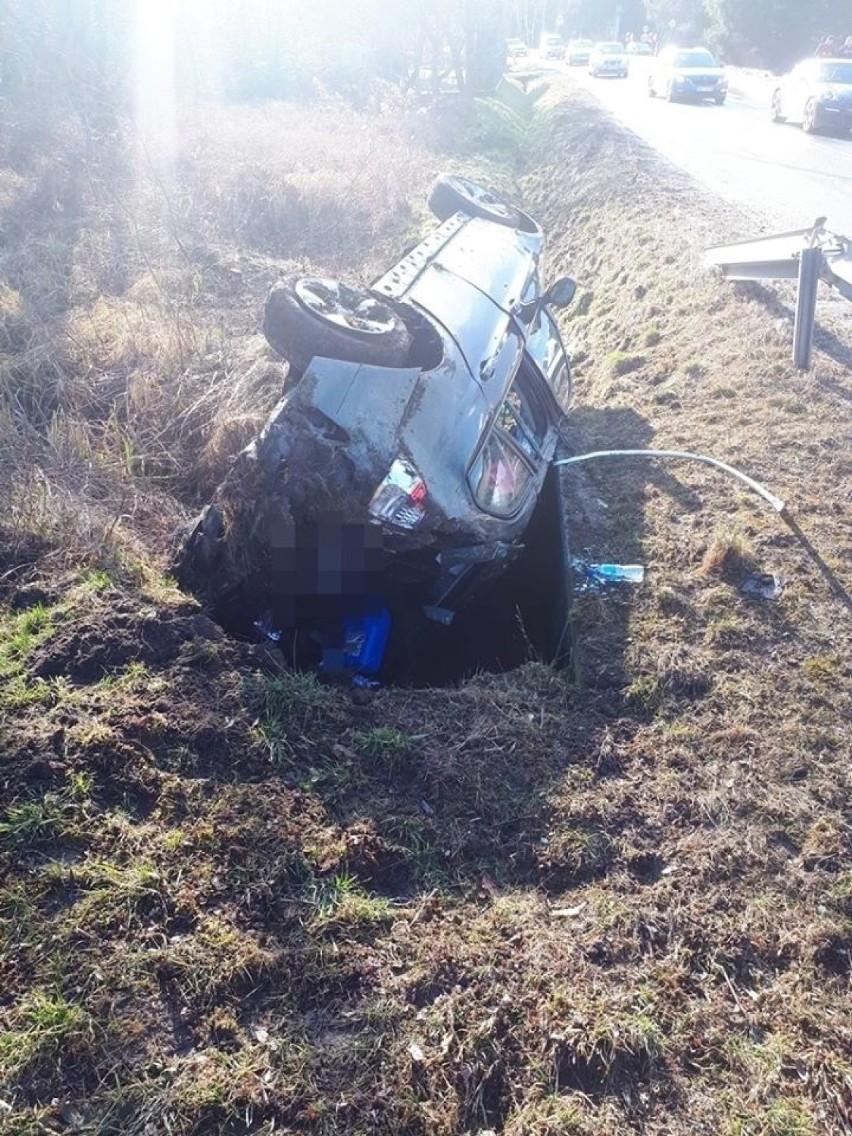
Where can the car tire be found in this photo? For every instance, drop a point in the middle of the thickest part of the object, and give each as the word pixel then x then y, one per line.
pixel 777 116
pixel 309 316
pixel 809 119
pixel 719 100
pixel 460 195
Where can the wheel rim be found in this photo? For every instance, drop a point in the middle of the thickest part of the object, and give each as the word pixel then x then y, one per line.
pixel 482 197
pixel 344 307
pixel 809 116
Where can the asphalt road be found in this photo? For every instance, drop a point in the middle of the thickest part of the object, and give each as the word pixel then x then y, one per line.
pixel 788 178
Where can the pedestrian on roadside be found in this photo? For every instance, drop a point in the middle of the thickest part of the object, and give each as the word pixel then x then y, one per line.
pixel 826 47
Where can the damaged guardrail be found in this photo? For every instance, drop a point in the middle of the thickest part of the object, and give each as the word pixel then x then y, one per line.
pixel 806 255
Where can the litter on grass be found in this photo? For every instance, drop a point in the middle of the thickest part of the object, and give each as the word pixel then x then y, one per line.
pixel 764 585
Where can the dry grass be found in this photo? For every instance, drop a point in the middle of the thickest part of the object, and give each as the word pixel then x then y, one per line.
pixel 238 900
pixel 130 296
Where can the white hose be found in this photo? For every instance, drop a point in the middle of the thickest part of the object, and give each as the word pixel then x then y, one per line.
pixel 774 501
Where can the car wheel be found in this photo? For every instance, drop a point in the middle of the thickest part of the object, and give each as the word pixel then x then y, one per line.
pixel 310 316
pixel 458 194
pixel 777 116
pixel 809 119
pixel 719 100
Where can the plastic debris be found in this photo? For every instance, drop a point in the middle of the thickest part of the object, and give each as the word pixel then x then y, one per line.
pixel 764 585
pixel 596 576
pixel 265 628
pixel 440 615
pixel 365 638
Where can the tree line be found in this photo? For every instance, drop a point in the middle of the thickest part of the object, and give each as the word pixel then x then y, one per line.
pixel 766 33
pixel 84 55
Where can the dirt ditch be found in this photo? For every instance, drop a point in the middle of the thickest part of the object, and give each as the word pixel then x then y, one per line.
pixel 613 899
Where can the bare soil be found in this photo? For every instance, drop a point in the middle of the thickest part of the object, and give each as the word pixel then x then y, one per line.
pixel 617 900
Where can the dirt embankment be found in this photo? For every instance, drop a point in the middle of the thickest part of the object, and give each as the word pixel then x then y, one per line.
pixel 236 900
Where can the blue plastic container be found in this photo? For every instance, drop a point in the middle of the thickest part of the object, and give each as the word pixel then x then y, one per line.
pixel 365 640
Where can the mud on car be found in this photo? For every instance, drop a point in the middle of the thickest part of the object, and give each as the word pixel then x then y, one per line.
pixel 399 516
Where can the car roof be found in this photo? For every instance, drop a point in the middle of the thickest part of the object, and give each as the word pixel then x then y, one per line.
pixel 813 70
pixel 673 49
pixel 678 55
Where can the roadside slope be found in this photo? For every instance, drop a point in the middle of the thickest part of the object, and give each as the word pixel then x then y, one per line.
pixel 236 900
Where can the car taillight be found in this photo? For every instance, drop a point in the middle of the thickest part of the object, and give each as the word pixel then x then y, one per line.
pixel 401 497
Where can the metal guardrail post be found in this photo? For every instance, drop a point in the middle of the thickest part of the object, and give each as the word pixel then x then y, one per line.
pixel 810 266
pixel 808 255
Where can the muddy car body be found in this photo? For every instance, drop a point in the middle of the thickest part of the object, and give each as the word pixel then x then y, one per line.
pixel 414 475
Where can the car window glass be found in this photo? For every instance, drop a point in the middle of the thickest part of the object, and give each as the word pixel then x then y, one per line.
pixel 500 477
pixel 545 346
pixel 836 73
pixel 695 59
pixel 515 419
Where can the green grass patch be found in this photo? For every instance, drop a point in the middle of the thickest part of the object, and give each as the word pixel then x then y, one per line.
pixel 40 820
pixel 623 363
pixel 387 749
pixel 20 634
pixel 43 1026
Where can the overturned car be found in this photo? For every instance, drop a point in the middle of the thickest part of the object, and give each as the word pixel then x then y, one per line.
pixel 399 515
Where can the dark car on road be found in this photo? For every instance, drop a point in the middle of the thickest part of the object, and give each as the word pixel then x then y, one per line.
pixel 687 74
pixel 552 46
pixel 608 59
pixel 818 94
pixel 400 501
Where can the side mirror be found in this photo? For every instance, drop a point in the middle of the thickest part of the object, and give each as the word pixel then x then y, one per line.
pixel 560 293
